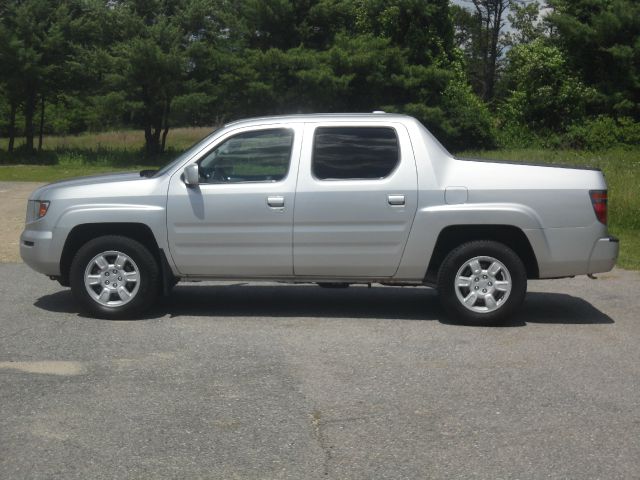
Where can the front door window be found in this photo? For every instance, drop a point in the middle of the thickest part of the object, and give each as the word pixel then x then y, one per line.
pixel 257 156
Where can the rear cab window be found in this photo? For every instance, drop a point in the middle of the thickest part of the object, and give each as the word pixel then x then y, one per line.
pixel 354 153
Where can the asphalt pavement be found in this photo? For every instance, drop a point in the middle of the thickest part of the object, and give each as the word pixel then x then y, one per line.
pixel 232 380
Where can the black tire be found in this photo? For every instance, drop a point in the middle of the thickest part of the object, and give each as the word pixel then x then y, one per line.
pixel 148 277
pixel 506 304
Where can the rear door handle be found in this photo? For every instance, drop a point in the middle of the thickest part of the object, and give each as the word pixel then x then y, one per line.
pixel 275 201
pixel 395 199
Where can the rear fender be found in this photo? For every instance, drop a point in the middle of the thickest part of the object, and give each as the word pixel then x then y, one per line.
pixel 430 221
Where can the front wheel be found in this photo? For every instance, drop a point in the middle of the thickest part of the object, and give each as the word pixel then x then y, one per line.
pixel 482 282
pixel 114 277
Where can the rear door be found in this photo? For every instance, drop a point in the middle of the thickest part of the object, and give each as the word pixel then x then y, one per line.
pixel 355 200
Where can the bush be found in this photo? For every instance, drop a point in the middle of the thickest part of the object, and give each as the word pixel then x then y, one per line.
pixel 517 135
pixel 543 92
pixel 594 134
pixel 452 111
pixel 471 121
pixel 602 133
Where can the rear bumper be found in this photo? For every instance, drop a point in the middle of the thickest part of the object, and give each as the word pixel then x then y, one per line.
pixel 604 255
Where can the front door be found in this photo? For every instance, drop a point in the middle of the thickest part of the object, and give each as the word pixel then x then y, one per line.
pixel 356 199
pixel 239 220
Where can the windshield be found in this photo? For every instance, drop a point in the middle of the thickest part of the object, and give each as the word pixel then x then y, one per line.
pixel 184 155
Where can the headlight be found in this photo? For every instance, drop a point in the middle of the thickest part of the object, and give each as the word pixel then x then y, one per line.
pixel 36 209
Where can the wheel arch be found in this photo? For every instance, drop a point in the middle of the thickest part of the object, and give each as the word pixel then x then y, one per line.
pixel 81 234
pixel 455 235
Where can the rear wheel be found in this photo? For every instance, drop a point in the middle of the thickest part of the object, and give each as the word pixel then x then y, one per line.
pixel 482 282
pixel 114 277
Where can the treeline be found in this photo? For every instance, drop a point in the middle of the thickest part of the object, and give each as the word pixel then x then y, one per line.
pixel 481 74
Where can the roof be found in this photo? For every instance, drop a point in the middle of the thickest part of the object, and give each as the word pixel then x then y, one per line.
pixel 314 117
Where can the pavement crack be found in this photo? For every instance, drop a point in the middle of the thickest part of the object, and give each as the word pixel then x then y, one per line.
pixel 321 438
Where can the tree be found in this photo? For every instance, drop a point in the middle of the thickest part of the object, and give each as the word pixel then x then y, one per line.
pixel 149 61
pixel 526 24
pixel 421 27
pixel 33 54
pixel 479 33
pixel 158 63
pixel 10 68
pixel 274 23
pixel 601 41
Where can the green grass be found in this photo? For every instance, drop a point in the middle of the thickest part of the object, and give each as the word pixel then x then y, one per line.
pixel 52 173
pixel 123 140
pixel 629 248
pixel 621 168
pixel 90 154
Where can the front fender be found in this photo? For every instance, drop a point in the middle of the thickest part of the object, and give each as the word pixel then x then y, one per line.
pixel 154 217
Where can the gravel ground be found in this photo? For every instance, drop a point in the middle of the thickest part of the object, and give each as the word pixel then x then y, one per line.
pixel 272 381
pixel 228 380
pixel 13 208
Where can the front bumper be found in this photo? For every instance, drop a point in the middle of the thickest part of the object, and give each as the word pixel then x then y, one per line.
pixel 604 255
pixel 36 250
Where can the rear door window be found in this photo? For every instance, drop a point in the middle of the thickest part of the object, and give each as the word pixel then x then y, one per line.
pixel 354 153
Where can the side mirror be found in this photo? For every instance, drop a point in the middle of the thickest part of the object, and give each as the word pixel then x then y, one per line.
pixel 192 175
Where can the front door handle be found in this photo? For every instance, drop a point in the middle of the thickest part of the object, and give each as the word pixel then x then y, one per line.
pixel 275 201
pixel 395 199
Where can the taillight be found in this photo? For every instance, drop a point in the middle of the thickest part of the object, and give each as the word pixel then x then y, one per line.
pixel 599 202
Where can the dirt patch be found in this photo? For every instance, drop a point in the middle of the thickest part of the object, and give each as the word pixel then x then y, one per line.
pixel 13 207
pixel 51 367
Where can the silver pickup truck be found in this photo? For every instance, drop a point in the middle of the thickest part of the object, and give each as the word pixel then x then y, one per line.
pixel 330 199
